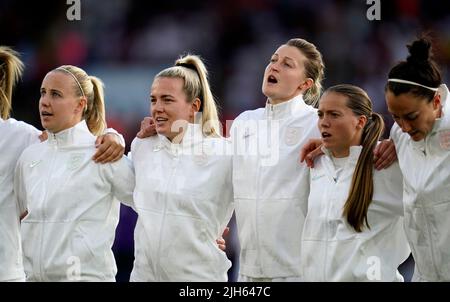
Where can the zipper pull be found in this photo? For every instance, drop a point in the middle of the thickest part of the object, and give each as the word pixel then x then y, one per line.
pixel 55 142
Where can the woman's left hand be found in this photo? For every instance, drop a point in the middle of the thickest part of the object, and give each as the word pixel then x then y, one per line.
pixel 43 136
pixel 221 243
pixel 109 148
pixel 384 154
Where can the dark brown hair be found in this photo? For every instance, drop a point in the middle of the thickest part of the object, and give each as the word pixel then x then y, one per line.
pixel 419 67
pixel 361 192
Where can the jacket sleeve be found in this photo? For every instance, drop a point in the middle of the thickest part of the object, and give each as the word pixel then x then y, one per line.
pixel 121 176
pixel 30 134
pixel 392 189
pixel 395 133
pixel 228 195
pixel 113 131
pixel 19 189
pixel 237 124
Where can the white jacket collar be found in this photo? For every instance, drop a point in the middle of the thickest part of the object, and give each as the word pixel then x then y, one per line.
pixel 77 135
pixel 193 135
pixel 353 156
pixel 442 122
pixel 285 109
pixel 349 166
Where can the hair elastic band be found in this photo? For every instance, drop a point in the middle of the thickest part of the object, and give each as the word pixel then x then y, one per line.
pixel 74 77
pixel 412 83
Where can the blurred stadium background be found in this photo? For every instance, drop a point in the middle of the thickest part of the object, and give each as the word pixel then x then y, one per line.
pixel 126 42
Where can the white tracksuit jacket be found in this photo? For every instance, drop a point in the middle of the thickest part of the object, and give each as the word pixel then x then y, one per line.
pixel 331 249
pixel 73 207
pixel 271 187
pixel 426 173
pixel 184 198
pixel 14 138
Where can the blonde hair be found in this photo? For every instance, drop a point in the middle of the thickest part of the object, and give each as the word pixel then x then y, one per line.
pixel 92 88
pixel 193 72
pixel 11 68
pixel 361 192
pixel 314 69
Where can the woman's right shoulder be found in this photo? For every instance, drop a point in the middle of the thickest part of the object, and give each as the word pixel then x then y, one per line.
pixel 246 119
pixel 396 133
pixel 138 143
pixel 250 115
pixel 319 163
pixel 32 151
pixel 393 171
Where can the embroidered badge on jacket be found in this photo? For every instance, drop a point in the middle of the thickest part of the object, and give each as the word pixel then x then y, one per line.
pixel 200 159
pixel 292 135
pixel 444 139
pixel 75 161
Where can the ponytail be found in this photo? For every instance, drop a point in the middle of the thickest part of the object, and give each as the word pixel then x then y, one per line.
pixel 11 68
pixel 192 70
pixel 361 192
pixel 361 188
pixel 91 88
pixel 95 111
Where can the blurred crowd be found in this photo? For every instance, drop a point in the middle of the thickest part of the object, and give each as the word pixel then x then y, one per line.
pixel 126 42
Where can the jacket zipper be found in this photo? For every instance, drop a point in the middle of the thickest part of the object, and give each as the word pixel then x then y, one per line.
pixel 258 171
pixel 169 180
pixel 54 149
pixel 327 235
pixel 432 249
pixel 258 182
